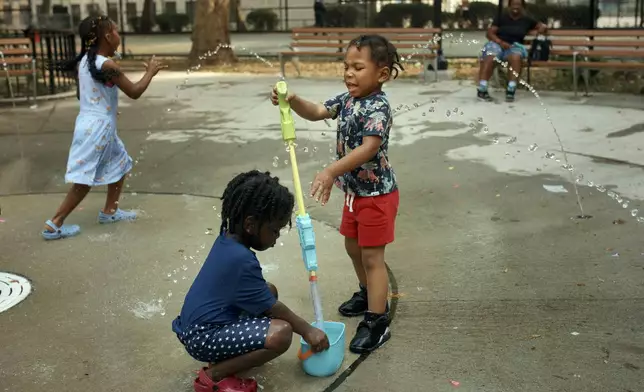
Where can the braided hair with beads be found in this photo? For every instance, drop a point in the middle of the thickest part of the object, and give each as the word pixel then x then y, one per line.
pixel 254 194
pixel 91 30
pixel 383 52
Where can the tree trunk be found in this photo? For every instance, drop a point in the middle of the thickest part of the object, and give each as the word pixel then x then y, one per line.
pixel 147 17
pixel 210 33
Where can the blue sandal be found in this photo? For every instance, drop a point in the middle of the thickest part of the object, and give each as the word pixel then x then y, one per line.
pixel 63 231
pixel 117 216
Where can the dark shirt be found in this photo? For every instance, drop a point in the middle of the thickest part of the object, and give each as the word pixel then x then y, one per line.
pixel 230 281
pixel 514 30
pixel 359 117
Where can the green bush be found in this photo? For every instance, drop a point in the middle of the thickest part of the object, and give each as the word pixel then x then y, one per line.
pixel 393 15
pixel 341 15
pixel 263 19
pixel 171 22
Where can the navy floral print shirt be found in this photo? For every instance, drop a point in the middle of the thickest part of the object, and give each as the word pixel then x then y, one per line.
pixel 359 117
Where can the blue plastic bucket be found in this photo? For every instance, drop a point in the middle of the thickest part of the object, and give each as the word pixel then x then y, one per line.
pixel 328 362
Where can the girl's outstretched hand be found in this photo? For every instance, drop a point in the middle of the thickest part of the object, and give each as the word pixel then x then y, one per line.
pixel 274 99
pixel 153 66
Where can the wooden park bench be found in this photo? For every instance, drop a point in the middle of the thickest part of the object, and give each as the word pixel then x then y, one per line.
pixel 586 50
pixel 330 42
pixel 18 63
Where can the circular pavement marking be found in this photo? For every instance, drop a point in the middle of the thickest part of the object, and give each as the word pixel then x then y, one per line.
pixel 13 290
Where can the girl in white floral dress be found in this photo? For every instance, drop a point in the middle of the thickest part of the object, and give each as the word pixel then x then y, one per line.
pixel 97 155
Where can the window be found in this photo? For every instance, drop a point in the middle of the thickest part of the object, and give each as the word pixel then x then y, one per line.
pixel 93 9
pixel 7 16
pixel 131 10
pixel 190 10
pixel 170 7
pixel 76 14
pixel 113 11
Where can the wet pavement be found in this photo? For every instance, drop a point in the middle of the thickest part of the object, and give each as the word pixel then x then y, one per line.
pixel 498 287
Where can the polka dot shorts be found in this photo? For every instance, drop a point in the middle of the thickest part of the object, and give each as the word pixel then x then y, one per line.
pixel 217 343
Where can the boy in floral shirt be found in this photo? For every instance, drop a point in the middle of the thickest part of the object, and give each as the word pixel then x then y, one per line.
pixel 363 172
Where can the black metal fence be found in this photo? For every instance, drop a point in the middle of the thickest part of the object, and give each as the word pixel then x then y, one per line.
pixel 50 47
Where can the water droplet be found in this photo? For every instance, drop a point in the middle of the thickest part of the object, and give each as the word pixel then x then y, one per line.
pixel 480 120
pixel 281 244
pixel 323 133
pixel 169 275
pixel 315 149
pixel 472 125
pixel 170 293
pixel 600 188
pixel 486 129
pixel 511 140
pixel 568 167
pixel 579 178
pixel 634 212
pixel 306 149
pixel 286 161
pixel 184 267
pixel 162 313
pixel 424 114
pixel 533 147
pixel 174 281
pixel 549 155
pixel 274 163
pixel 448 113
pixel 168 110
pixel 495 140
pixel 640 219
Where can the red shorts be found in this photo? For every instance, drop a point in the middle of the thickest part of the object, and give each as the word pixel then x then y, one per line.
pixel 371 219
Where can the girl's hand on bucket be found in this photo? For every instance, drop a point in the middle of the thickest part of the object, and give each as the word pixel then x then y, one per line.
pixel 317 339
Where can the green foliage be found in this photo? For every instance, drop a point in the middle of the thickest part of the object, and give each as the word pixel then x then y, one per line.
pixel 393 15
pixel 171 22
pixel 262 19
pixel 341 15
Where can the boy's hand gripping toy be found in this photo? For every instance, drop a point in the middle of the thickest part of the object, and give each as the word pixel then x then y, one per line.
pixel 326 363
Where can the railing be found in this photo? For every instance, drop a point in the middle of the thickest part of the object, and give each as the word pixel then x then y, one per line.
pixel 50 47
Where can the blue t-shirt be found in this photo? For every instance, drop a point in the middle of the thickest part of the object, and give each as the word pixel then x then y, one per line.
pixel 230 281
pixel 357 118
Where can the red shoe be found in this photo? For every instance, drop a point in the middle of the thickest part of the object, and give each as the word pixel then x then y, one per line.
pixel 203 383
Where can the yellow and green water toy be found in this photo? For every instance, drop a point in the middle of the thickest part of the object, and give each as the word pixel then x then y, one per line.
pixel 328 362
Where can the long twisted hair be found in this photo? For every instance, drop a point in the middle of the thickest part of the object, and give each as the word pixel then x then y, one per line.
pixel 91 31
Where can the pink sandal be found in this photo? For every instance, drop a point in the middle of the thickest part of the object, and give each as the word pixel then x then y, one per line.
pixel 203 383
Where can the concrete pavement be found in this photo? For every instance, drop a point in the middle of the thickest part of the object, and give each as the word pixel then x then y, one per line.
pixel 500 288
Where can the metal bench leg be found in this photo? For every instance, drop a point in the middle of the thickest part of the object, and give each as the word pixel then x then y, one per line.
pixel 282 64
pixel 574 73
pixel 425 70
pixel 586 75
pixel 495 74
pixel 436 69
pixel 35 79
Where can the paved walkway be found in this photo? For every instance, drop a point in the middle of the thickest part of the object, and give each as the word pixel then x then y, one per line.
pixel 500 289
pixel 456 44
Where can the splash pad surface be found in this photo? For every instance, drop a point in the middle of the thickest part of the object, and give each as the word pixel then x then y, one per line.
pixel 13 290
pixel 469 281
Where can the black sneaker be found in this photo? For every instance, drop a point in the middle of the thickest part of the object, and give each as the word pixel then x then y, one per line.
pixel 372 333
pixel 509 95
pixel 483 95
pixel 357 305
